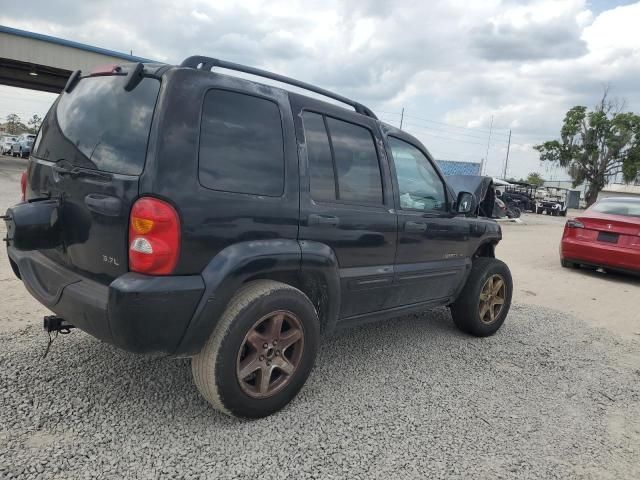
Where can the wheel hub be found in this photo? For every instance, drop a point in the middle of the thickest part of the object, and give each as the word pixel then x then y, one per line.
pixel 492 298
pixel 270 354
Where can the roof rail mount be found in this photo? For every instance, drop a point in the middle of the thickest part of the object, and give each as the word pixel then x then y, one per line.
pixel 200 62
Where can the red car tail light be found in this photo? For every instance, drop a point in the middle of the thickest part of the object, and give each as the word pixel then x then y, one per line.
pixel 23 185
pixel 572 223
pixel 154 237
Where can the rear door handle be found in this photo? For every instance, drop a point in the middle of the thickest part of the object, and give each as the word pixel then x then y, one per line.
pixel 326 220
pixel 415 226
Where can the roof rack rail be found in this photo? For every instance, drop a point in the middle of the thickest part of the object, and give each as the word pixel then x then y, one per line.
pixel 200 62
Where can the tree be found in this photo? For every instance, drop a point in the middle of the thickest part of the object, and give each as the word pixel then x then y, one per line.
pixel 13 124
pixel 597 145
pixel 34 123
pixel 534 178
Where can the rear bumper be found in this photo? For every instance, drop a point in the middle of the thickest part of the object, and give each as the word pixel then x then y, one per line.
pixel 600 254
pixel 138 313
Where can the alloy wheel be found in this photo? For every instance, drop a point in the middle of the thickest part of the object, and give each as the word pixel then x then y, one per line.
pixel 270 354
pixel 492 298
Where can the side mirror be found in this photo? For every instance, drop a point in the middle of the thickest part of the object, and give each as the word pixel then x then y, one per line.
pixel 466 203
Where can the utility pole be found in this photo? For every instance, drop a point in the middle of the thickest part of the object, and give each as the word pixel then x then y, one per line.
pixel 401 118
pixel 486 157
pixel 506 161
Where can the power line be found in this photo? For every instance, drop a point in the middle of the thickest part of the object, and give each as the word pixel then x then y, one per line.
pixel 423 130
pixel 441 123
pixel 468 135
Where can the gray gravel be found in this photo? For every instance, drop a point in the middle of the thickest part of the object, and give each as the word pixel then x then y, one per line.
pixel 547 397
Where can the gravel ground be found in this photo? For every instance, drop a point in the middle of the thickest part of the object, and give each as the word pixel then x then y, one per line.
pixel 546 397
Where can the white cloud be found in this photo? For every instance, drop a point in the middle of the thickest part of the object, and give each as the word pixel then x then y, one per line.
pixel 460 62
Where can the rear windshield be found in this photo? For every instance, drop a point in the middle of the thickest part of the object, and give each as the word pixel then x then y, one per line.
pixel 629 208
pixel 100 126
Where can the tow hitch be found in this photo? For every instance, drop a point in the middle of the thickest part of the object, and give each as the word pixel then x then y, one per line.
pixel 53 323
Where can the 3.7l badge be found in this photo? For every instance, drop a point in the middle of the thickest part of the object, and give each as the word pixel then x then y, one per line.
pixel 110 260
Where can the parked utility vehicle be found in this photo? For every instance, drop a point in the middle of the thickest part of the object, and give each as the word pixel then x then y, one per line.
pixel 174 210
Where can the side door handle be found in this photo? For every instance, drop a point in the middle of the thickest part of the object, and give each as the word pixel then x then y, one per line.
pixel 325 220
pixel 415 226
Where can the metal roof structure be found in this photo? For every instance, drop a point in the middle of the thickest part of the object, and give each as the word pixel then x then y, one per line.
pixel 454 167
pixel 42 62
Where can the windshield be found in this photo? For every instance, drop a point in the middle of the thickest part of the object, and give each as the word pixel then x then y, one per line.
pixel 620 206
pixel 99 125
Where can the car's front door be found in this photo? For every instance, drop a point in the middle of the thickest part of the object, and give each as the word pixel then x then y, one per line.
pixel 431 256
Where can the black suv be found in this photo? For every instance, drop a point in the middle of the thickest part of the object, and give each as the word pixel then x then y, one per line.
pixel 174 210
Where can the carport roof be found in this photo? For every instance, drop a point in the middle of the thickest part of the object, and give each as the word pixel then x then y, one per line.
pixel 70 43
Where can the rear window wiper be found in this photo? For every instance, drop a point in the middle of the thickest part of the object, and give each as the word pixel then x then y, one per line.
pixel 77 172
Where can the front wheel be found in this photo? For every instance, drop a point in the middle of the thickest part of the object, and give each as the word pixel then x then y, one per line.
pixel 484 302
pixel 261 352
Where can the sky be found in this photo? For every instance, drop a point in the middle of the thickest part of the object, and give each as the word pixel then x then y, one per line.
pixel 458 68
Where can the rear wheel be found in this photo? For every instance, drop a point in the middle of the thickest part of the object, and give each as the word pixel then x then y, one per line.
pixel 260 353
pixel 484 302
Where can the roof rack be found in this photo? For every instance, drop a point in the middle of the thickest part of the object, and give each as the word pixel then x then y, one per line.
pixel 207 63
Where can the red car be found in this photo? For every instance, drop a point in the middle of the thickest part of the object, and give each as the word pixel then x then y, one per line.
pixel 606 235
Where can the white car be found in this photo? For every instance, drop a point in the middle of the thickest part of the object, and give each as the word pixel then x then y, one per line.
pixel 5 144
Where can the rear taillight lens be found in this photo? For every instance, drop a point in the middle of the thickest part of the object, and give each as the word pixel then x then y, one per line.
pixel 572 223
pixel 23 185
pixel 154 237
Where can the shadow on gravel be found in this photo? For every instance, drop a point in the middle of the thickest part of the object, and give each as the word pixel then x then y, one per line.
pixel 409 398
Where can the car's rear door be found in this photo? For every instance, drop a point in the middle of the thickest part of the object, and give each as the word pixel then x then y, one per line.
pixel 89 154
pixel 346 200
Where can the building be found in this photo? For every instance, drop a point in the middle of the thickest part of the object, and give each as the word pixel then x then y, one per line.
pixel 620 190
pixel 453 167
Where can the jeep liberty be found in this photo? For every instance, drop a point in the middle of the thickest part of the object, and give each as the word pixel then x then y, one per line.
pixel 181 211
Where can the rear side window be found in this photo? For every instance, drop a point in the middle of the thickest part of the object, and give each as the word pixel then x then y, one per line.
pixel 343 162
pixel 356 162
pixel 241 144
pixel 323 185
pixel 99 125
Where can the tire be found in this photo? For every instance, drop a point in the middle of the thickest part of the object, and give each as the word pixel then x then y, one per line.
pixel 568 264
pixel 216 368
pixel 539 211
pixel 563 213
pixel 516 212
pixel 466 310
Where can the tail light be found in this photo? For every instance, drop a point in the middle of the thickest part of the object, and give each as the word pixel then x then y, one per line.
pixel 154 237
pixel 23 185
pixel 573 223
pixel 570 228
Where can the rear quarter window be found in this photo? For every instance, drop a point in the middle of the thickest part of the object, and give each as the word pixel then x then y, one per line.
pixel 241 144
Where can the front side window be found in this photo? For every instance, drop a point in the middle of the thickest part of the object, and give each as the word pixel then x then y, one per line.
pixel 356 163
pixel 419 185
pixel 241 144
